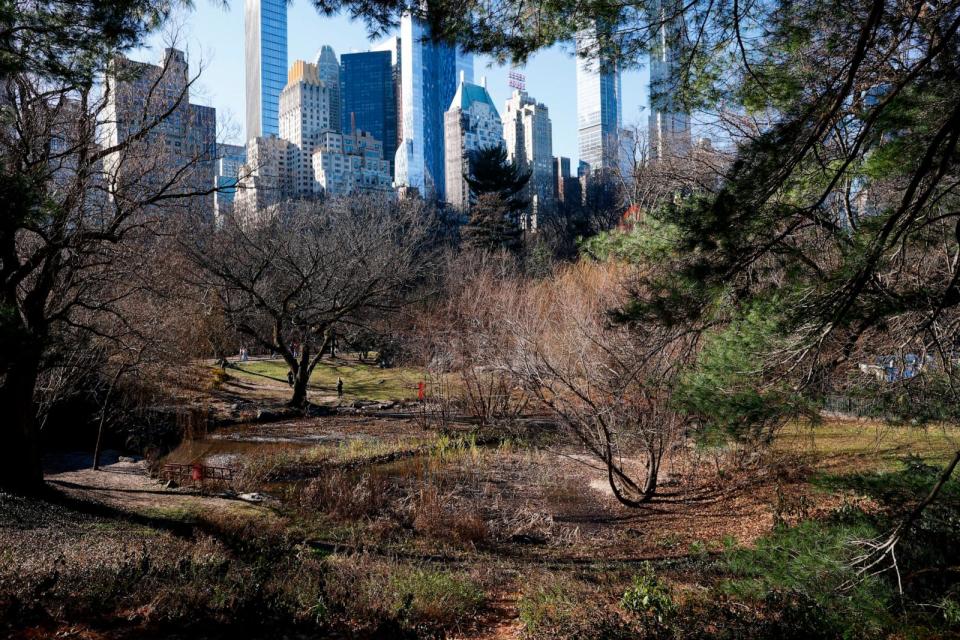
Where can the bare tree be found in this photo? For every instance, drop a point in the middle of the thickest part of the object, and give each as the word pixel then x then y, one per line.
pixel 314 268
pixel 77 200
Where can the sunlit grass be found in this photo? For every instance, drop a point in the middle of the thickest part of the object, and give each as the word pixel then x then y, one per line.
pixel 360 381
pixel 871 443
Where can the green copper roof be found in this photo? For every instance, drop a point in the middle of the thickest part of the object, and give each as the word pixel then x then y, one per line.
pixel 468 93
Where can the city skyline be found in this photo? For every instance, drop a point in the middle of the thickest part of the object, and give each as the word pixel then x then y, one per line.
pixel 214 37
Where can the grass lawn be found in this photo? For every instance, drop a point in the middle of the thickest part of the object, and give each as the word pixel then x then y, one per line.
pixel 869 443
pixel 360 381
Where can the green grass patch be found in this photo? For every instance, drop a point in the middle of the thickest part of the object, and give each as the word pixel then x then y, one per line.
pixel 874 444
pixel 360 381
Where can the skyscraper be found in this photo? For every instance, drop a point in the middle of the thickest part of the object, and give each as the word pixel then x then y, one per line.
pixel 669 123
pixel 182 147
pixel 367 91
pixel 428 80
pixel 599 113
pixel 528 134
pixel 305 113
pixel 472 123
pixel 265 53
pixel 329 71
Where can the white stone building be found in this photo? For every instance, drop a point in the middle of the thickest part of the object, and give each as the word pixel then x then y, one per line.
pixel 306 113
pixel 528 135
pixel 265 178
pixel 350 163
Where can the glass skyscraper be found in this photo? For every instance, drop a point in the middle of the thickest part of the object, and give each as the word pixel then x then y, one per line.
pixel 367 94
pixel 599 113
pixel 265 52
pixel 669 121
pixel 428 82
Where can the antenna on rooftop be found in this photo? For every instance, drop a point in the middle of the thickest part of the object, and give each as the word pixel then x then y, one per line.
pixel 516 80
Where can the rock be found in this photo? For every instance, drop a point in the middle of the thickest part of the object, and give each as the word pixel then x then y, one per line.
pixel 253 497
pixel 126 459
pixel 386 405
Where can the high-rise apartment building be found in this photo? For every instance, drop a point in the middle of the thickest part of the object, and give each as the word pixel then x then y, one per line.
pixel 599 114
pixel 470 124
pixel 428 81
pixel 528 135
pixel 368 98
pixel 265 178
pixel 328 69
pixel 350 163
pixel 305 113
pixel 669 122
pixel 265 57
pixel 182 147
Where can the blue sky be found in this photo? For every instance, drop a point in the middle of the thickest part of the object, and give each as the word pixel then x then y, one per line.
pixel 213 35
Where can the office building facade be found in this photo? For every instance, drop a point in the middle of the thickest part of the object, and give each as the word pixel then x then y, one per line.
pixel 265 58
pixel 428 81
pixel 567 188
pixel 470 124
pixel 669 123
pixel 230 159
pixel 368 97
pixel 599 113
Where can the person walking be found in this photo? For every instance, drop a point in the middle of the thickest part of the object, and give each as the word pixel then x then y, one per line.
pixel 290 377
pixel 339 387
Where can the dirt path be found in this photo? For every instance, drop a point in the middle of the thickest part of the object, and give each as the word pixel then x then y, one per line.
pixel 500 620
pixel 125 484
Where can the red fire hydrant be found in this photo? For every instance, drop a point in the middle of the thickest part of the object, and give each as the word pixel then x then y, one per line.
pixel 196 472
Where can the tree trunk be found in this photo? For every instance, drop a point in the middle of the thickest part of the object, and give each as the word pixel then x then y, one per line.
pixel 301 378
pixel 21 470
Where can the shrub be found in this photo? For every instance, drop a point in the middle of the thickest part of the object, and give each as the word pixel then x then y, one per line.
pixel 431 516
pixel 343 495
pixel 434 597
pixel 649 596
pixel 798 574
pixel 373 592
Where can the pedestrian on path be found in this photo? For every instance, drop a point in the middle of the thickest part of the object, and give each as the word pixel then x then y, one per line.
pixel 339 387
